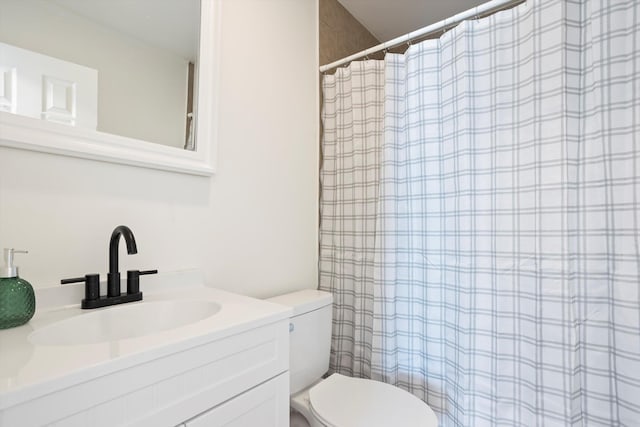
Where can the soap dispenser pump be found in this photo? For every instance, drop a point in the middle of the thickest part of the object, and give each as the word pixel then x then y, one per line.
pixel 17 299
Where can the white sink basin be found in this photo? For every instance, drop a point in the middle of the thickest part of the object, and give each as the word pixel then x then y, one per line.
pixel 125 321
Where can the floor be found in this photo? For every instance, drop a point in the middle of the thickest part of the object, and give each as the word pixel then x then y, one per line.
pixel 297 420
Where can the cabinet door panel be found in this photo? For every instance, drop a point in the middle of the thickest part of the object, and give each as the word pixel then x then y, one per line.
pixel 266 405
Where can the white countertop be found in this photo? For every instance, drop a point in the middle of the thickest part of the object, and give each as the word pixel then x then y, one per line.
pixel 28 371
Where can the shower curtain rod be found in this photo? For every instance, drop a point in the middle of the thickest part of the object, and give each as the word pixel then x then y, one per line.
pixel 442 26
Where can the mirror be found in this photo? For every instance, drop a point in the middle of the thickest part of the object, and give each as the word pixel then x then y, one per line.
pixel 113 80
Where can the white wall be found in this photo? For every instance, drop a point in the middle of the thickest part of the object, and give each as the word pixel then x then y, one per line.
pixel 142 90
pixel 252 227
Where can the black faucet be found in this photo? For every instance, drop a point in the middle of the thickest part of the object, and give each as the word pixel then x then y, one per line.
pixel 113 278
pixel 92 298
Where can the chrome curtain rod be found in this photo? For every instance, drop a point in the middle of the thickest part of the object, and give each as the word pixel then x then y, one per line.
pixel 442 26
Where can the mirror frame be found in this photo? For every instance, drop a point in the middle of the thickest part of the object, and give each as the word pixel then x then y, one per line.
pixel 39 135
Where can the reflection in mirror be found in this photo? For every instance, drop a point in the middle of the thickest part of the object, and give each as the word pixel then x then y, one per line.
pixel 123 67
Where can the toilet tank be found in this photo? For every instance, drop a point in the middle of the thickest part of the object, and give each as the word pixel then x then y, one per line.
pixel 309 335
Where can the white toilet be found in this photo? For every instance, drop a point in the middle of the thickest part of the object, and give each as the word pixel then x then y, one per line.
pixel 339 401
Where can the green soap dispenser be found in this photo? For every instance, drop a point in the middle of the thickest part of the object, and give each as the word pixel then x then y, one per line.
pixel 17 299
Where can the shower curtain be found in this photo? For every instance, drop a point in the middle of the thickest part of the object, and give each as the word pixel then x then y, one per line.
pixel 479 217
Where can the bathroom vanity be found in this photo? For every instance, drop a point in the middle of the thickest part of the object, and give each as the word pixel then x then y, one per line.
pixel 187 355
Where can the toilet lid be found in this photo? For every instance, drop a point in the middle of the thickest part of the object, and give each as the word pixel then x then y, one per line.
pixel 353 402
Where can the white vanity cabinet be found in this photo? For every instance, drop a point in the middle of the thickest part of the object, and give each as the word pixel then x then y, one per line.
pixel 231 369
pixel 228 382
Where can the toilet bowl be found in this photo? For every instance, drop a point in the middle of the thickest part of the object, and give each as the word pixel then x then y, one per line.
pixel 342 401
pixel 338 400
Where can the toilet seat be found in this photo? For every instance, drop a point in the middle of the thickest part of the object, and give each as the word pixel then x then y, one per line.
pixel 341 401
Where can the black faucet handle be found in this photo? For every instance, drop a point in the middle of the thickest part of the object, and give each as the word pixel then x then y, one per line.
pixel 73 280
pixel 143 273
pixel 91 285
pixel 133 280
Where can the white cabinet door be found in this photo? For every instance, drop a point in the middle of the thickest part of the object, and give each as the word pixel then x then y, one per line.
pixel 43 87
pixel 266 405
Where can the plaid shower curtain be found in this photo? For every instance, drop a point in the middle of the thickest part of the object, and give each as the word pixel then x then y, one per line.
pixel 479 217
